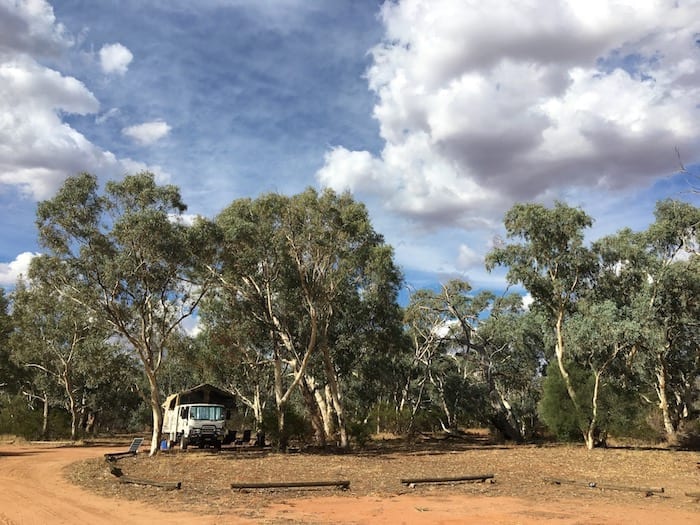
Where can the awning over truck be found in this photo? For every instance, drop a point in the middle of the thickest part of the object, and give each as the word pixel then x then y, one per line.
pixel 204 393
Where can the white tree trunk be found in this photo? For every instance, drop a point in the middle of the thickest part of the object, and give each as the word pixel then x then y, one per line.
pixel 671 433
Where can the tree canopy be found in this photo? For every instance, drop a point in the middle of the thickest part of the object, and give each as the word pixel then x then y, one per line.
pixel 293 306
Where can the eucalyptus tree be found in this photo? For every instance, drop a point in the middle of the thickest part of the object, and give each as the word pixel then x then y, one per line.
pixel 603 337
pixel 57 337
pixel 108 397
pixel 254 275
pixel 427 328
pixel 9 374
pixel 293 266
pixel 509 347
pixel 128 258
pixel 547 256
pixel 478 351
pixel 671 310
pixel 231 354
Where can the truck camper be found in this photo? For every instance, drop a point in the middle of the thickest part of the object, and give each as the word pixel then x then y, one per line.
pixel 198 417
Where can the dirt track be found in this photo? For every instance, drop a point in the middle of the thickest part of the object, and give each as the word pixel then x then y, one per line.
pixel 34 490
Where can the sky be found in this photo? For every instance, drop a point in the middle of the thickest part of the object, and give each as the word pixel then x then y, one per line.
pixel 439 115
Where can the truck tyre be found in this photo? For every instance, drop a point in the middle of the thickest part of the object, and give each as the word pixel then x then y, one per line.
pixel 217 445
pixel 184 442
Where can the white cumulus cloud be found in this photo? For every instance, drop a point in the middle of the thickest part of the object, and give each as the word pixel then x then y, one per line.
pixel 115 59
pixel 30 27
pixel 148 132
pixel 133 166
pixel 481 104
pixel 9 272
pixel 37 149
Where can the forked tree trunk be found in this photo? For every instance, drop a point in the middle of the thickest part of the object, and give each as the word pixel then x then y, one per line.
pixel 280 405
pixel 336 398
pixel 325 407
pixel 313 411
pixel 90 422
pixel 669 427
pixel 589 434
pixel 72 405
pixel 559 351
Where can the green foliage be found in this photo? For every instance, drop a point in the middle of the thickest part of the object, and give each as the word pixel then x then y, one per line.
pixel 556 409
pixel 297 427
pixel 127 259
pixel 11 375
pixel 306 295
pixel 307 290
pixel 20 418
pixel 384 417
pixel 547 255
pixel 360 432
pixel 620 413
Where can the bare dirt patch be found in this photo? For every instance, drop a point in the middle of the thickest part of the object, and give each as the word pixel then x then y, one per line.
pixel 518 493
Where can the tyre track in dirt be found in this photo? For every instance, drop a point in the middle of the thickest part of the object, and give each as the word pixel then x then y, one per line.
pixel 33 490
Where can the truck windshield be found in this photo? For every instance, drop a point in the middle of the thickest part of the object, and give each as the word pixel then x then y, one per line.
pixel 212 413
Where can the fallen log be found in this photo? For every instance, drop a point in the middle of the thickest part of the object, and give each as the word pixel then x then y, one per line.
pixel 694 495
pixel 113 456
pixel 170 485
pixel 478 477
pixel 119 474
pixel 341 484
pixel 594 485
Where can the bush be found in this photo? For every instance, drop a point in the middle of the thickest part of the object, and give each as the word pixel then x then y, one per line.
pixel 296 426
pixel 556 409
pixel 20 418
pixel 360 432
pixel 689 435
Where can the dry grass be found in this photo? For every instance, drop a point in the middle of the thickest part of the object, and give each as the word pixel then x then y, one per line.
pixel 11 439
pixel 377 470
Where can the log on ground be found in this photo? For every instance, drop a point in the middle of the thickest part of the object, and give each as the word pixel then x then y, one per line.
pixel 341 484
pixel 170 485
pixel 455 479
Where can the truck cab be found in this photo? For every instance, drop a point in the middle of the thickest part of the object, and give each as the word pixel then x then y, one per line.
pixel 200 425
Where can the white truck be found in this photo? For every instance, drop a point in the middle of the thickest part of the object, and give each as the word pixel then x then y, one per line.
pixel 197 417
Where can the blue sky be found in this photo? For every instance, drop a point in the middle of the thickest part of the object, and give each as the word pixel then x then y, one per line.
pixel 438 114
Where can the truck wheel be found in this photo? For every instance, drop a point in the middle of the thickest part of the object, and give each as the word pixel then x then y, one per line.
pixel 184 442
pixel 217 445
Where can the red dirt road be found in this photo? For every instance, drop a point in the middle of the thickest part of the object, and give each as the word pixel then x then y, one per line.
pixel 34 490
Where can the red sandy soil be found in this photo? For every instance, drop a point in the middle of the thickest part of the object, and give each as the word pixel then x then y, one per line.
pixel 34 489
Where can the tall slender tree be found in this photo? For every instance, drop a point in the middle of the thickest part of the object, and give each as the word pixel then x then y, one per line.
pixel 127 257
pixel 548 257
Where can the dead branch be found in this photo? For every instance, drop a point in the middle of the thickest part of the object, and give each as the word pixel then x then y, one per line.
pixel 594 485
